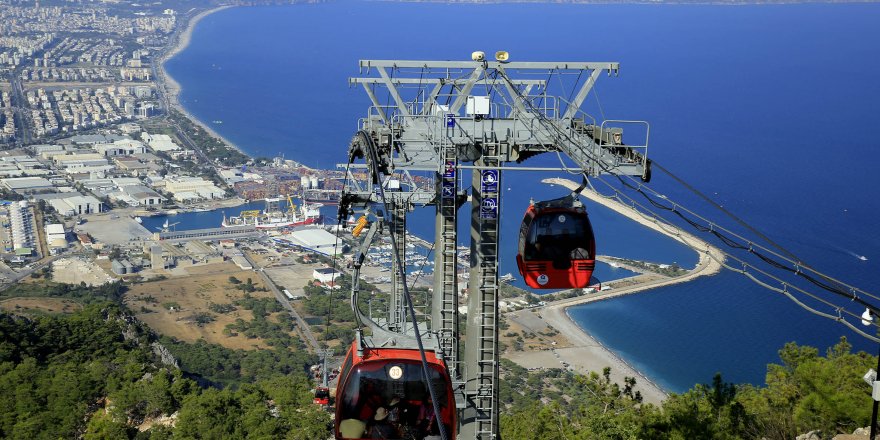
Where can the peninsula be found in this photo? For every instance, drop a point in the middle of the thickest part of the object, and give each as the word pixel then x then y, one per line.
pixel 579 350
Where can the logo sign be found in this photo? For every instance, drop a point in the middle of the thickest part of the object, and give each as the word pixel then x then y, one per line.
pixel 489 208
pixel 448 189
pixel 543 279
pixel 450 120
pixel 489 181
pixel 449 170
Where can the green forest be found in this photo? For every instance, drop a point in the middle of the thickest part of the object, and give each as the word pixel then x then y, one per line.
pixel 805 392
pixel 98 374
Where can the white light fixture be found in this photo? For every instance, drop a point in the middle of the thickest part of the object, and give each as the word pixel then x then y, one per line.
pixel 478 55
pixel 867 318
pixel 502 56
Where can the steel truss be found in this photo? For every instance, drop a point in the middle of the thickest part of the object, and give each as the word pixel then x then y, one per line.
pixel 444 115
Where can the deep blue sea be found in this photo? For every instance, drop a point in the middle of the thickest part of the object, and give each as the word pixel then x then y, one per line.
pixel 770 110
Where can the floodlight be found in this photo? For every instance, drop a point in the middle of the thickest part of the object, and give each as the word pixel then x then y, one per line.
pixel 478 55
pixel 502 55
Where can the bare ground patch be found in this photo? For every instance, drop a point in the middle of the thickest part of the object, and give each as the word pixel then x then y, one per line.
pixel 190 297
pixel 26 305
pixel 528 332
pixel 76 270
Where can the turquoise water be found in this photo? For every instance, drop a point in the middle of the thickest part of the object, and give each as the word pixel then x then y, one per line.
pixel 768 109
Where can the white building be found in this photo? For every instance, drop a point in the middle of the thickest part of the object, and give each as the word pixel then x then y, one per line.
pixel 26 185
pixel 9 170
pixel 56 237
pixel 76 205
pixel 79 160
pixel 40 149
pixel 232 176
pixel 326 275
pixel 125 181
pixel 242 262
pixel 88 172
pixel 159 142
pixel 186 196
pixel 317 240
pixel 124 147
pixel 187 188
pixel 21 225
pixel 141 195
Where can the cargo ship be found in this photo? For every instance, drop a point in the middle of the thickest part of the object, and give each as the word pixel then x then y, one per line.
pixel 274 218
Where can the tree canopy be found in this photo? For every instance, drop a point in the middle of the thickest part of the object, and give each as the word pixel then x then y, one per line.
pixel 95 374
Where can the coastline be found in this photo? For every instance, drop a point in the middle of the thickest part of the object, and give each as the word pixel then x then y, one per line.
pixel 172 89
pixel 584 352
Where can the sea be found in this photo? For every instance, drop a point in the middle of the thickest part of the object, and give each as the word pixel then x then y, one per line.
pixel 770 111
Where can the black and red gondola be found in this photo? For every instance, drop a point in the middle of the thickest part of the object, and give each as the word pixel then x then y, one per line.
pixel 394 382
pixel 386 386
pixel 557 248
pixel 322 396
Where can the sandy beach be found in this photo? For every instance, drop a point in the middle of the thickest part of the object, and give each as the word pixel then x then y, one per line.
pixel 172 88
pixel 583 352
pixel 574 347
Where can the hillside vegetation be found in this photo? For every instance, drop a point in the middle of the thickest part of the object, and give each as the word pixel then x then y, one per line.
pixel 806 392
pixel 100 373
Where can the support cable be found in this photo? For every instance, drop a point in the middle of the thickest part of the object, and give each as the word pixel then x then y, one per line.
pixel 422 267
pixel 339 222
pixel 838 318
pixel 598 103
pixel 402 268
pixel 769 256
pixel 797 268
pixel 577 82
pixel 675 230
pixel 742 223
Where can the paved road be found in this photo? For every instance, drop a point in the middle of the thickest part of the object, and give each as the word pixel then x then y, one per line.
pixel 27 272
pixel 165 100
pixel 303 327
pixel 20 106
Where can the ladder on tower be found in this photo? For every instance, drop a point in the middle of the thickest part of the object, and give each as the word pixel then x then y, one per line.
pixel 487 289
pixel 397 312
pixel 447 247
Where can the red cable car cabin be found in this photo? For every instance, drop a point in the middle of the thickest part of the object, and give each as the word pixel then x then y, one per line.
pixel 322 396
pixel 557 249
pixel 391 379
